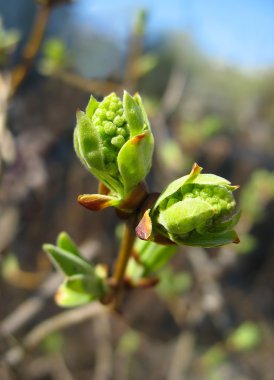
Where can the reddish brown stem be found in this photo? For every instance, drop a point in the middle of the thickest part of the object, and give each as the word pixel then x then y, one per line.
pixel 32 47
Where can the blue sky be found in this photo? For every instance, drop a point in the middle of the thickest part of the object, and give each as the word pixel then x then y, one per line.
pixel 240 32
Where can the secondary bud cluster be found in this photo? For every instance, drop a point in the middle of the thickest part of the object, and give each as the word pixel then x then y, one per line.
pixel 197 209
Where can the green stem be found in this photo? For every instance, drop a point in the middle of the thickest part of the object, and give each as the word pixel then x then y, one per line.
pixel 122 260
pixel 124 254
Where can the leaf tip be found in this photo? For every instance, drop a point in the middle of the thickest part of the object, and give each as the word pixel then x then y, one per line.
pixel 236 240
pixel 196 169
pixel 95 202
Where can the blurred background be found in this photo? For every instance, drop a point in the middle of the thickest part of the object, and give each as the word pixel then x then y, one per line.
pixel 205 70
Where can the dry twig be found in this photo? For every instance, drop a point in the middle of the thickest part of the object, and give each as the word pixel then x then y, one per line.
pixel 56 323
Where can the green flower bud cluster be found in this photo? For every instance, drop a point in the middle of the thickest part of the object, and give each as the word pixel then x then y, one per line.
pixel 109 119
pixel 219 198
pixel 114 141
pixel 197 209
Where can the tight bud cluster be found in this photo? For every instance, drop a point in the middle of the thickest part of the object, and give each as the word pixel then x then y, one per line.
pixel 113 140
pixel 109 119
pixel 197 209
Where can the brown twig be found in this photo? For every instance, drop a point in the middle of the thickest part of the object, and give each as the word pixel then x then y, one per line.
pixel 90 85
pixel 103 348
pixel 135 51
pixel 32 47
pixel 56 323
pixel 182 356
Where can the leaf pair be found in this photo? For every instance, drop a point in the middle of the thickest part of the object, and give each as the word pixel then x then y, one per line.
pixel 83 282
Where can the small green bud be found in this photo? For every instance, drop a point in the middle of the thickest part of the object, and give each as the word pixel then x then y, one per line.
pixel 197 209
pixel 114 141
pixel 149 258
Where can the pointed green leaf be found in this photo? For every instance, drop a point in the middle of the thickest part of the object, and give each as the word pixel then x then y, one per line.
pixel 211 179
pixel 134 160
pixel 92 106
pixel 138 99
pixel 67 244
pixel 89 142
pixel 76 145
pixel 89 284
pixel 134 115
pixel 178 183
pixel 67 262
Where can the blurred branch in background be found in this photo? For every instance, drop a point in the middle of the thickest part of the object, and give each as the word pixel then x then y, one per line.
pixel 7 148
pixel 27 311
pixel 135 51
pixel 50 325
pixel 32 46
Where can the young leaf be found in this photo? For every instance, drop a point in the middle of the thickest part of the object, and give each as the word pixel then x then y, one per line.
pixel 133 115
pixel 66 297
pixel 91 107
pixel 134 159
pixel 66 243
pixel 87 284
pixel 67 262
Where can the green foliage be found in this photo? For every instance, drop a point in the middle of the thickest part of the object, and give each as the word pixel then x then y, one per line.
pixel 140 23
pixel 83 282
pixel 54 56
pixel 172 156
pixel 8 41
pixel 129 343
pixel 146 63
pixel 173 284
pixel 257 193
pixel 9 266
pixel 215 356
pixel 246 337
pixel 114 142
pixel 66 297
pixel 148 259
pixel 53 343
pixel 194 133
